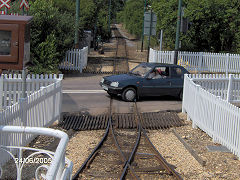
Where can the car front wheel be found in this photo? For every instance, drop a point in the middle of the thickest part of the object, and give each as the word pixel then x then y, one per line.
pixel 129 94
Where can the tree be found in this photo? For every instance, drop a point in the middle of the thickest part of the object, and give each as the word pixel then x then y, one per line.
pixel 52 34
pixel 132 16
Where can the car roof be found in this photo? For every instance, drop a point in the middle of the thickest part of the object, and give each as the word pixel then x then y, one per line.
pixel 161 64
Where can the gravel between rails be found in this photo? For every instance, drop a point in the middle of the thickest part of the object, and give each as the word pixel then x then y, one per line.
pixel 81 145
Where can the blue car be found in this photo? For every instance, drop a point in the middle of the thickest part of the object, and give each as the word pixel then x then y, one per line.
pixel 146 79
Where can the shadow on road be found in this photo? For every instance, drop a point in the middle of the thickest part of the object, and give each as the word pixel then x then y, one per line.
pixel 152 98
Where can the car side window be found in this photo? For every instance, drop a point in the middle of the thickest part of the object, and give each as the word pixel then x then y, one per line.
pixel 177 72
pixel 159 73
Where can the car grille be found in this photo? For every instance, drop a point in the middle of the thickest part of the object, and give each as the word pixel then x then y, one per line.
pixel 107 82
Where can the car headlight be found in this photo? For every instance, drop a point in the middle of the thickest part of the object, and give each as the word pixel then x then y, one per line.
pixel 102 80
pixel 114 84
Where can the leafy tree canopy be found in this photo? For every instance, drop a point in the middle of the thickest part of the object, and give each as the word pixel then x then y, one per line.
pixel 213 25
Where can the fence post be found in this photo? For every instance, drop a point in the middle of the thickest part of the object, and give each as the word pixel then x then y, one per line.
pixel 172 57
pixel 1 91
pixel 183 97
pixel 195 106
pixel 226 65
pixel 81 59
pixel 215 119
pixel 200 62
pixel 229 91
pixel 23 111
pixel 175 57
pixel 60 102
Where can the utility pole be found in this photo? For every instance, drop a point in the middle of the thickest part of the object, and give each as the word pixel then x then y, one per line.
pixel 178 31
pixel 109 16
pixel 145 4
pixel 150 34
pixel 160 40
pixel 76 40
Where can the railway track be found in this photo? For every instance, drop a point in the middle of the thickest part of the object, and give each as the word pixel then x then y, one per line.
pixel 121 56
pixel 125 154
pixel 117 64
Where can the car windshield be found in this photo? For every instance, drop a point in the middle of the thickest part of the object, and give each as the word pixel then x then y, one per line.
pixel 140 70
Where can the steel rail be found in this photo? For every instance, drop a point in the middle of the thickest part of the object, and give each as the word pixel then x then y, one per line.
pixel 162 161
pixel 126 163
pixel 133 151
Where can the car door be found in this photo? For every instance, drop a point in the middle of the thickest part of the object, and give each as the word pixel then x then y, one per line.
pixel 156 87
pixel 177 77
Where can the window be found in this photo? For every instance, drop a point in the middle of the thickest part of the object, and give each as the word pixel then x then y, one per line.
pixel 5 42
pixel 177 72
pixel 159 72
pixel 8 43
pixel 141 70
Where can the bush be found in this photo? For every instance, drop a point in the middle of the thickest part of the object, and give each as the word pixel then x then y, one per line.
pixel 52 31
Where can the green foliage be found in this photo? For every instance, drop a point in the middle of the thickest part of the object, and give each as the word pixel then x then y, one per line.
pixel 52 31
pixel 214 25
pixel 166 12
pixel 132 16
pixel 65 6
pixel 45 62
pixel 94 15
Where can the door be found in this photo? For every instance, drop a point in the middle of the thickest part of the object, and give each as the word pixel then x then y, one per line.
pixel 177 76
pixel 8 43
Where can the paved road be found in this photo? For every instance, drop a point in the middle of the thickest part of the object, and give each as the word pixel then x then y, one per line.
pixel 83 94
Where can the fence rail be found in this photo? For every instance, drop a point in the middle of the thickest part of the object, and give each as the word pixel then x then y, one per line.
pixel 200 61
pixel 75 59
pixel 227 87
pixel 214 115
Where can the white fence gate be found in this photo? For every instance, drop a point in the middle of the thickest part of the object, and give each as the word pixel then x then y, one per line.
pixel 75 59
pixel 212 113
pixel 199 61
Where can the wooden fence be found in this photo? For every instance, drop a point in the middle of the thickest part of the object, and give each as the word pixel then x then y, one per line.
pixel 200 61
pixel 216 116
pixel 75 59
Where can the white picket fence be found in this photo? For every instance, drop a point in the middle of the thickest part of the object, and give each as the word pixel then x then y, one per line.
pixel 11 86
pixel 227 87
pixel 199 61
pixel 75 59
pixel 40 108
pixel 161 56
pixel 212 113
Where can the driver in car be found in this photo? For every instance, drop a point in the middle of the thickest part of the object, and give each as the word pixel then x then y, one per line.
pixel 156 74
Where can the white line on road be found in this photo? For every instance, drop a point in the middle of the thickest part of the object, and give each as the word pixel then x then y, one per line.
pixel 83 91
